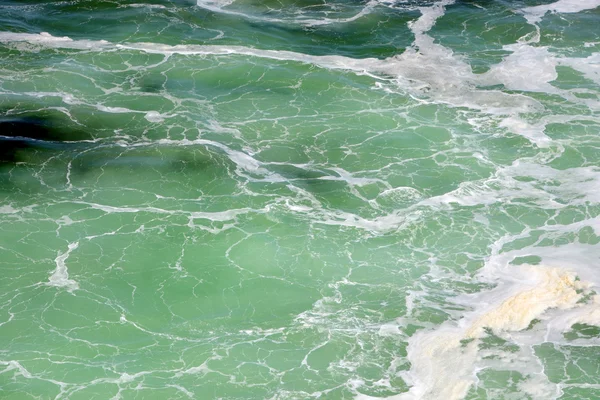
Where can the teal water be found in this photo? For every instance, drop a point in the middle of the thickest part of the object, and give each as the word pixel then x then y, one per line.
pixel 300 199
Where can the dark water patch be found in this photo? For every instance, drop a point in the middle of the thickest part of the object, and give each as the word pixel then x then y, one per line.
pixel 34 141
pixel 10 150
pixel 40 153
pixel 26 128
pixel 151 84
pixel 20 135
pixel 158 162
pixel 40 125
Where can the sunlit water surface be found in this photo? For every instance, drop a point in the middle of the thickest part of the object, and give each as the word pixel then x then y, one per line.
pixel 300 199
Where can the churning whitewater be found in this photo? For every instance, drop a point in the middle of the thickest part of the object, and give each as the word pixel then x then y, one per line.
pixel 300 199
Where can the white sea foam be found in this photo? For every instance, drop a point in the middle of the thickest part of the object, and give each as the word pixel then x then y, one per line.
pixel 546 187
pixel 60 276
pixel 8 209
pixel 47 40
pixel 213 216
pixel 539 185
pixel 155 116
pixel 536 13
pixel 142 5
pixel 352 180
pixel 214 3
pixel 532 132
pixel 219 6
pixel 532 69
pixel 242 160
pixel 67 98
pixel 524 57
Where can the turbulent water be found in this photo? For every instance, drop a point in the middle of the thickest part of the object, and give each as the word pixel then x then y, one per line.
pixel 300 199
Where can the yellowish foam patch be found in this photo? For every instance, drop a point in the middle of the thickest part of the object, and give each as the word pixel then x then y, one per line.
pixel 555 289
pixel 443 360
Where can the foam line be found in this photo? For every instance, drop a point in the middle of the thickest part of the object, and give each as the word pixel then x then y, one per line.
pixel 217 6
pixel 48 40
pixel 533 15
pixel 60 276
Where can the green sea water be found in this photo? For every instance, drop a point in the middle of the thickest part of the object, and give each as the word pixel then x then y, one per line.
pixel 300 199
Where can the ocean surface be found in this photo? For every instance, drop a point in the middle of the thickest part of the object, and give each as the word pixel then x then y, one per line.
pixel 300 199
